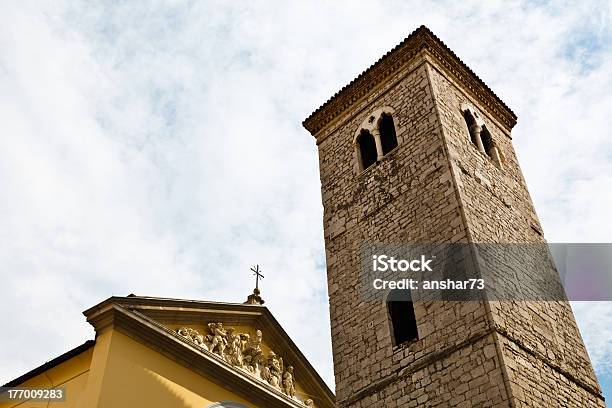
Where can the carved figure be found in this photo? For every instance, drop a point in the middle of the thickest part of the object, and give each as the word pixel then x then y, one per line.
pixel 234 348
pixel 217 339
pixel 187 332
pixel 288 387
pixel 309 403
pixel 274 370
pixel 245 339
pixel 253 355
pixel 192 335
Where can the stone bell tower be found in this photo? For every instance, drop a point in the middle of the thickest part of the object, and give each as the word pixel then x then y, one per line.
pixel 418 149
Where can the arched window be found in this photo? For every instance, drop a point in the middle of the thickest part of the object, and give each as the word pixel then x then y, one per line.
pixel 480 135
pixel 490 148
pixel 375 138
pixel 472 126
pixel 487 141
pixel 401 316
pixel 388 138
pixel 367 149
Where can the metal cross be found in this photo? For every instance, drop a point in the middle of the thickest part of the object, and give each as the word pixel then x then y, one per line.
pixel 258 275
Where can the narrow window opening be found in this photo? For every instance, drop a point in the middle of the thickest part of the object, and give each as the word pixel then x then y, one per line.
pixel 471 125
pixel 367 149
pixel 388 137
pixel 401 315
pixel 487 141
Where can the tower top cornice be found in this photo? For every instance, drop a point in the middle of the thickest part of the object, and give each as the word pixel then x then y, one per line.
pixel 422 39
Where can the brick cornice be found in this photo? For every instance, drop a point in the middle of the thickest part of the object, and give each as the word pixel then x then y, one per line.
pixel 421 39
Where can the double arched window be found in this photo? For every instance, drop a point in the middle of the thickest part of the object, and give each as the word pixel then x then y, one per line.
pixel 375 137
pixel 480 136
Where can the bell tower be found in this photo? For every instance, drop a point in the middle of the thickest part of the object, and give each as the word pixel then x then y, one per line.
pixel 417 149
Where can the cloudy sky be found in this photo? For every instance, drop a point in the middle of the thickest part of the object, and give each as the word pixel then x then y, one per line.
pixel 156 147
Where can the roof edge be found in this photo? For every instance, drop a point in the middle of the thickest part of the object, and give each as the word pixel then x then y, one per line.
pixel 51 363
pixel 134 300
pixel 391 62
pixel 104 314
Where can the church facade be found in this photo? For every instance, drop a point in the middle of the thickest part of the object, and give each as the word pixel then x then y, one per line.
pixel 417 149
pixel 155 352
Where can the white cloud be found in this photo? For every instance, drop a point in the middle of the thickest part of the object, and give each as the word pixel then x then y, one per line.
pixel 594 320
pixel 156 147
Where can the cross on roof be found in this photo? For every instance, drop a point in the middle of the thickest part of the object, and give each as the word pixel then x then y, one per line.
pixel 258 275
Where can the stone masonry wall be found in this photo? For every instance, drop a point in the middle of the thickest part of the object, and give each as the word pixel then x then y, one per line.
pixel 551 366
pixel 408 197
pixel 466 378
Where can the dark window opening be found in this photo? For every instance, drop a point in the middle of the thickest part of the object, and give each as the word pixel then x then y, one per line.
pixel 388 137
pixel 487 141
pixel 471 125
pixel 401 314
pixel 367 149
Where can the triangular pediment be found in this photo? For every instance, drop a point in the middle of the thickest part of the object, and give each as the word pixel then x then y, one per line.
pixel 241 346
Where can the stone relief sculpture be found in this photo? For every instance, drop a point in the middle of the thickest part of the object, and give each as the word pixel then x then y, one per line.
pixel 253 355
pixel 217 339
pixel 234 348
pixel 244 352
pixel 192 334
pixel 288 387
pixel 273 371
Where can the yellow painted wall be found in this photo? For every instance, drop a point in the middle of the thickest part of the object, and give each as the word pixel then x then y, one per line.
pixel 120 372
pixel 137 376
pixel 71 374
